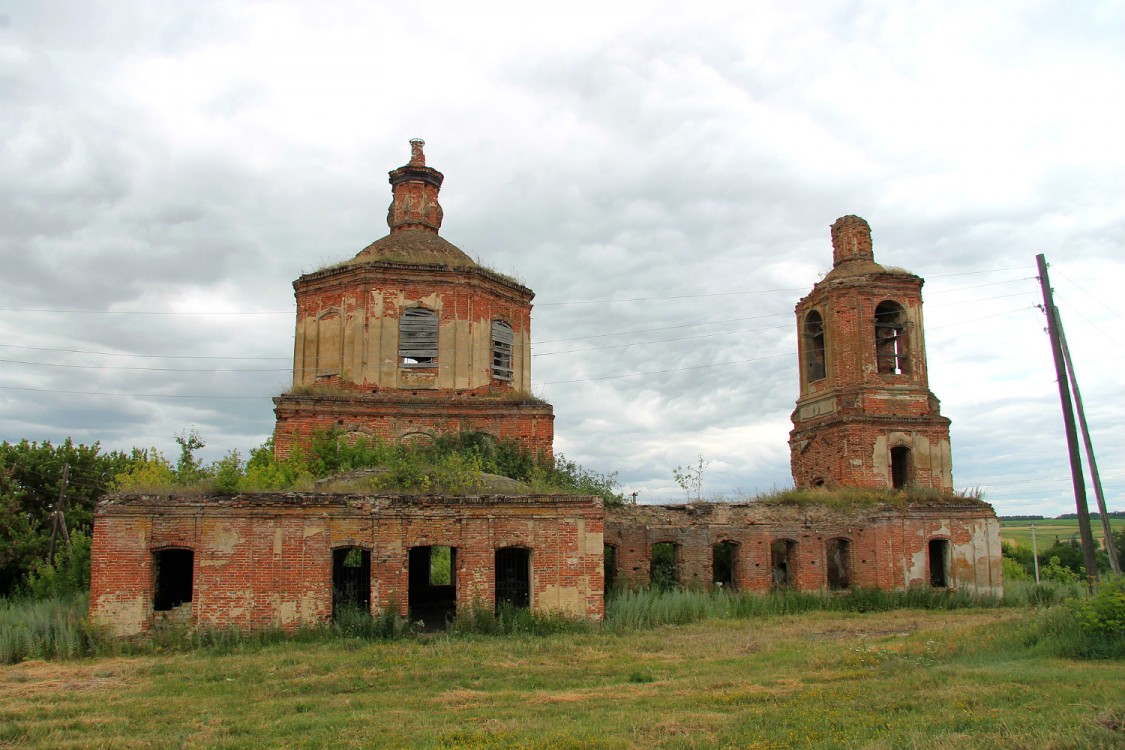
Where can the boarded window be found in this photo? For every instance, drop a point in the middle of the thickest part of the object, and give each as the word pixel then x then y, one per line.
pixel 174 573
pixel 351 580
pixel 939 563
pixel 815 367
pixel 900 467
pixel 783 562
pixel 418 337
pixel 513 577
pixel 890 339
pixel 724 557
pixel 664 566
pixel 838 563
pixel 502 340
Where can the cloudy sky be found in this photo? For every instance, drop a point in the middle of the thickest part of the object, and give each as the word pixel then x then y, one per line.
pixel 663 175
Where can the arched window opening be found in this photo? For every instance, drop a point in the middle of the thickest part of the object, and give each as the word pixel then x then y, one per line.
pixel 513 577
pixel 351 580
pixel 783 562
pixel 418 338
pixel 664 566
pixel 174 570
pixel 502 340
pixel 939 563
pixel 816 367
pixel 900 467
pixel 890 339
pixel 724 562
pixel 609 565
pixel 838 563
pixel 432 585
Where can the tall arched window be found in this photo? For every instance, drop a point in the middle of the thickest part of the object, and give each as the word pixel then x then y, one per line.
pixel 815 364
pixel 890 339
pixel 418 337
pixel 502 340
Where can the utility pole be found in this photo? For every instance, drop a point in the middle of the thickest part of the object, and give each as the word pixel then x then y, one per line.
pixel 1076 478
pixel 59 524
pixel 1035 552
pixel 1095 478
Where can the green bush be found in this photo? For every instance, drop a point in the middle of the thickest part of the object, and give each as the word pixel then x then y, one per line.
pixel 1104 612
pixel 68 574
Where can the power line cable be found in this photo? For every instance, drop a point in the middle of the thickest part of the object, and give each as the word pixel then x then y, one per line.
pixel 147 369
pixel 140 356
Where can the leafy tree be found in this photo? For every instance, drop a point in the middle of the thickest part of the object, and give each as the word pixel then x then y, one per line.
pixel 30 479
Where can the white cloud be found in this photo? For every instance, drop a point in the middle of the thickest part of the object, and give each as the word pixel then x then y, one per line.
pixel 195 159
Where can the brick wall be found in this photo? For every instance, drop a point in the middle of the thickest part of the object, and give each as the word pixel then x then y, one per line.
pixel 888 546
pixel 266 560
pixel 396 416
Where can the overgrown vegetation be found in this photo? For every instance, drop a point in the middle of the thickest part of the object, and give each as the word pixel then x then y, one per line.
pixel 31 480
pixel 861 497
pixel 456 464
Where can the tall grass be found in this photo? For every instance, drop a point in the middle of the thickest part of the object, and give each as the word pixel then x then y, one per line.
pixel 1065 620
pixel 54 628
pixel 629 610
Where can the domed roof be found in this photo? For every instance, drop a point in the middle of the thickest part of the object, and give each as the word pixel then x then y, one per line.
pixel 414 246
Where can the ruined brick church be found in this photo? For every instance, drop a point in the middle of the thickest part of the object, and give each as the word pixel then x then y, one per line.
pixel 412 338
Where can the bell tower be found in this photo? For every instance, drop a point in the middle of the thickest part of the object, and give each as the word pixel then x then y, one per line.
pixel 865 416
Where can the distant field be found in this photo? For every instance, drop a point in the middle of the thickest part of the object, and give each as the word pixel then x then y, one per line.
pixel 1046 531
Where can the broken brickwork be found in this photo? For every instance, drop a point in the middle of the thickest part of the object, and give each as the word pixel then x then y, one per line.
pixel 411 338
pixel 273 560
pixel 865 416
pixel 953 543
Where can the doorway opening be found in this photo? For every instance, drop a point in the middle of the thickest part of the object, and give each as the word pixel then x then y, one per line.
pixel 513 577
pixel 939 563
pixel 783 562
pixel 174 569
pixel 724 558
pixel 351 580
pixel 432 590
pixel 838 564
pixel 900 467
pixel 664 566
pixel 609 565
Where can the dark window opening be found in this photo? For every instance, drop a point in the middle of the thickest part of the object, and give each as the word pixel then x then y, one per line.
pixel 174 573
pixel 900 467
pixel 939 563
pixel 890 339
pixel 815 364
pixel 432 591
pixel 513 577
pixel 783 562
pixel 724 559
pixel 418 337
pixel 351 580
pixel 609 564
pixel 664 566
pixel 839 564
pixel 502 340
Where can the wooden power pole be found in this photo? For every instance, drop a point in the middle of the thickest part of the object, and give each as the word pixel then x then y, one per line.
pixel 1095 478
pixel 1084 530
pixel 59 525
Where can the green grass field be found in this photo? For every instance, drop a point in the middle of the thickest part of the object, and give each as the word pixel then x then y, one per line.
pixel 901 679
pixel 1047 529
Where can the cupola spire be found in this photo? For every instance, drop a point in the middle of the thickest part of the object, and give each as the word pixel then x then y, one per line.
pixel 851 240
pixel 415 188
